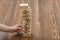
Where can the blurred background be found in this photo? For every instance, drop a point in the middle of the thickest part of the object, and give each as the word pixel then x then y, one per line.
pixel 45 23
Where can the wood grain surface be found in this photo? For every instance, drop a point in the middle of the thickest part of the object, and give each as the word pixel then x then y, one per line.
pixel 45 15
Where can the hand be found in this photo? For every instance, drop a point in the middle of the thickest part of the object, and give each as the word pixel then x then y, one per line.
pixel 16 28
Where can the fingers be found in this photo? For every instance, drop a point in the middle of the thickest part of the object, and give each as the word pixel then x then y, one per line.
pixel 16 28
pixel 19 29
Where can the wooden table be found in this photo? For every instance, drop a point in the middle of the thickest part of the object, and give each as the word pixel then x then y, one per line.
pixel 46 18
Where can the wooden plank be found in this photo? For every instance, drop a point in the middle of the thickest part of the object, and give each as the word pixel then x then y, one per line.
pixel 46 18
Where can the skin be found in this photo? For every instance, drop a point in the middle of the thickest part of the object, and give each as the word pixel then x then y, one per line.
pixel 15 28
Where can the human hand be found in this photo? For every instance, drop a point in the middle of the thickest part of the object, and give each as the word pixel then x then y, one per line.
pixel 16 28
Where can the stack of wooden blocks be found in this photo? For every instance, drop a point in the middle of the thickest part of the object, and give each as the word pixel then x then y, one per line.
pixel 26 19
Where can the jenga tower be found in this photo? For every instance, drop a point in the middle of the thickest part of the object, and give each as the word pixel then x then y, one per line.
pixel 26 19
